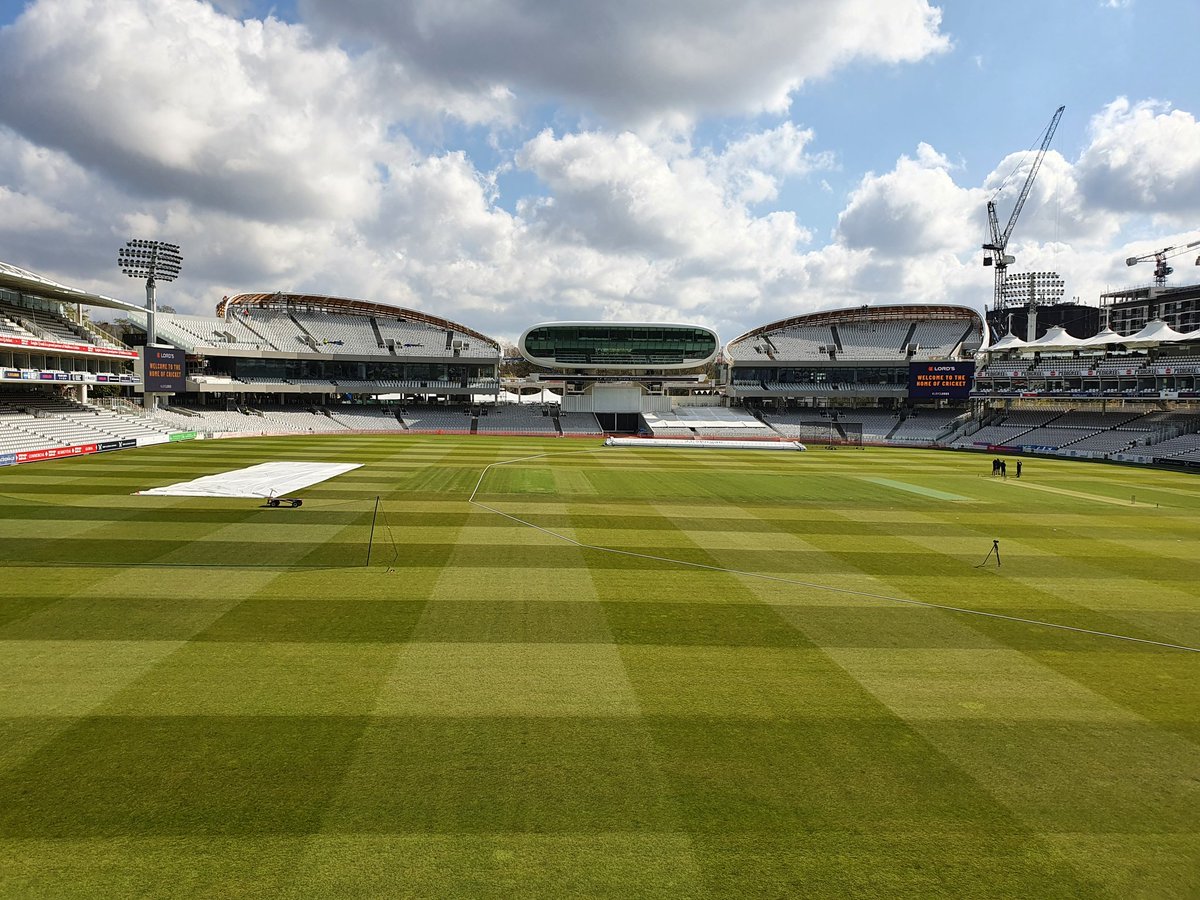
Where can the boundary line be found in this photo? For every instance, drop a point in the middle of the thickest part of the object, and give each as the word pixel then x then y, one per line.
pixel 776 578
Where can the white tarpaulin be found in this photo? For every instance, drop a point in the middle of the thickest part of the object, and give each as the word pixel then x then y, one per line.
pixel 275 479
pixel 701 444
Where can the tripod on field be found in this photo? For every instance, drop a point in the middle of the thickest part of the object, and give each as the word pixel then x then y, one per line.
pixel 996 551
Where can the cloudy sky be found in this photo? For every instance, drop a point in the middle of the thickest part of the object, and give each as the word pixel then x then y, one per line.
pixel 503 162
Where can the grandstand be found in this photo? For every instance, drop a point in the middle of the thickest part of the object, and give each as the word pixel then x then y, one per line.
pixel 862 352
pixel 579 423
pixel 264 347
pixel 305 364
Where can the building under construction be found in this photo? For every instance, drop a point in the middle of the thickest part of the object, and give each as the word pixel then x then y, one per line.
pixel 1130 309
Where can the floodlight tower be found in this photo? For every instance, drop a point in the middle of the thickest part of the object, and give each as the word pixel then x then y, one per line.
pixel 1033 289
pixel 155 261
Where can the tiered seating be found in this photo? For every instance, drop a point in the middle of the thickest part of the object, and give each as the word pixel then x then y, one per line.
pixel 1117 365
pixel 1055 437
pixel 924 427
pixel 418 339
pixel 880 340
pixel 1107 441
pixel 10 328
pixel 216 421
pixel 302 420
pixel 339 333
pixel 1185 445
pixel 1062 366
pixel 579 423
pixel 937 338
pixel 35 420
pixel 798 343
pixel 1014 425
pixel 57 328
pixel 840 387
pixel 191 332
pixel 456 419
pixel 527 417
pixel 277 328
pixel 364 418
pixel 789 424
pixel 48 326
pixel 876 423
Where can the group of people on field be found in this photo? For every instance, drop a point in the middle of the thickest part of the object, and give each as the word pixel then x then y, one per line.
pixel 1000 467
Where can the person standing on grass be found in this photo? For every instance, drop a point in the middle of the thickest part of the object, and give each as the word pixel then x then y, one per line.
pixel 995 467
pixel 1003 469
pixel 1018 468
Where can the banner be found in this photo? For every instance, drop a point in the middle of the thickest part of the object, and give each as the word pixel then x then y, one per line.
pixel 24 456
pixel 183 436
pixel 90 349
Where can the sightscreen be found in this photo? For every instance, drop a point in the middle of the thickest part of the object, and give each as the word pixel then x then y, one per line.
pixel 940 380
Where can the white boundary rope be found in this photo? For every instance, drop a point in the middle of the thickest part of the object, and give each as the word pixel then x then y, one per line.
pixel 798 583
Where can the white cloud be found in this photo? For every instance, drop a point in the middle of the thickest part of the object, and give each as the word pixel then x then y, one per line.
pixel 282 162
pixel 177 100
pixel 916 209
pixel 632 60
pixel 1143 157
pixel 752 168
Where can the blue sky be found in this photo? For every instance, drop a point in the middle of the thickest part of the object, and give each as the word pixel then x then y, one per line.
pixel 690 161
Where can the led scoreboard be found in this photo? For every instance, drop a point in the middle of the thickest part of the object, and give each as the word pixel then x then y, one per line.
pixel 163 370
pixel 940 380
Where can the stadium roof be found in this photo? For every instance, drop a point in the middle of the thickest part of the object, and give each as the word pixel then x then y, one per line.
pixel 1156 332
pixel 281 300
pixel 15 278
pixel 1009 342
pixel 873 314
pixel 1103 338
pixel 1055 337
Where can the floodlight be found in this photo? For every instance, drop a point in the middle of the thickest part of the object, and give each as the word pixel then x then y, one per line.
pixel 155 261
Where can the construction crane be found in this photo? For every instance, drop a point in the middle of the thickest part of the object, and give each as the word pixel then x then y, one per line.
pixel 1160 257
pixel 997 249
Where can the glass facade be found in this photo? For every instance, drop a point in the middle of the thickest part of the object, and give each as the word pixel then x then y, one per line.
pixel 350 370
pixel 884 375
pixel 651 346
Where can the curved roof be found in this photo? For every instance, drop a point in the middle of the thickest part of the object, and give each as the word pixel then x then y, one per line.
pixel 870 314
pixel 343 306
pixel 618 346
pixel 17 279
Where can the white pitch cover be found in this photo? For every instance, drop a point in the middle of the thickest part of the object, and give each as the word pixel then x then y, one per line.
pixel 701 444
pixel 275 479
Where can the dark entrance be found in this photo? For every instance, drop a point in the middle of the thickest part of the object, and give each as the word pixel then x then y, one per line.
pixel 618 423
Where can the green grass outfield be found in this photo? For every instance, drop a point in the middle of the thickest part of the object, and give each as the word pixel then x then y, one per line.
pixel 200 697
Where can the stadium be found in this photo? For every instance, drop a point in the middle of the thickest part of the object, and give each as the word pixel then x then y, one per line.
pixel 570 633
